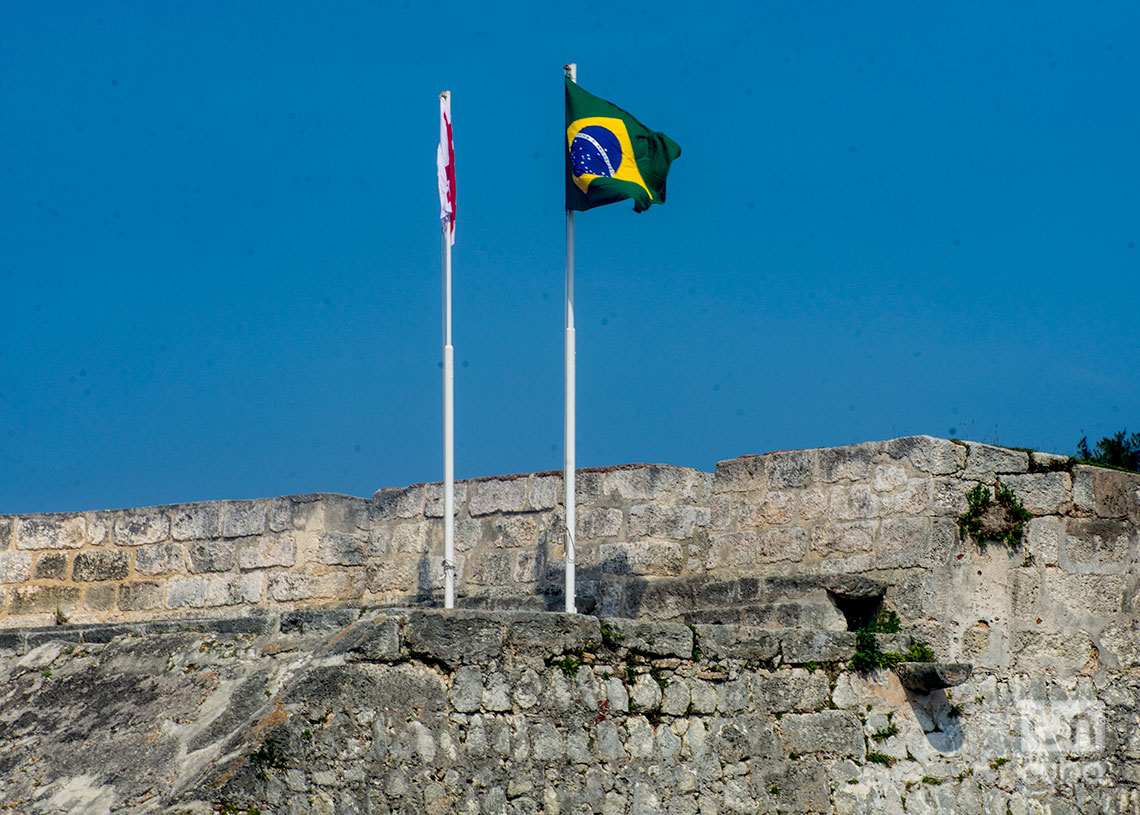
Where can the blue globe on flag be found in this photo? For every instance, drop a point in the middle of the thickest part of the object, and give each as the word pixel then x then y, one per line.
pixel 595 151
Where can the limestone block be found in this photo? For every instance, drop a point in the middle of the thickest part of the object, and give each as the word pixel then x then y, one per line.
pixel 915 542
pixel 1084 495
pixel 1123 642
pixel 794 690
pixel 51 532
pixel 241 519
pixel 657 639
pixel 844 538
pixel 285 586
pixel 675 699
pixel 1053 652
pixel 854 503
pixel 1092 594
pixel 853 462
pixel 767 509
pixel 813 503
pixel 141 526
pixel 915 497
pixel 1096 545
pixel 341 549
pixel 949 496
pixel 984 462
pixel 16 567
pixel 511 532
pixel 455 637
pixel 645 694
pixel 753 645
pixel 6 527
pixel 211 556
pixel 733 695
pixel 345 514
pixel 266 551
pixel 497 495
pixel 279 516
pixel 837 732
pixel 391 503
pixel 1042 493
pixel 1043 537
pixel 791 468
pixel 43 600
pixel 800 646
pixel 98 565
pixel 669 522
pixel 100 597
pixel 51 566
pixel 599 522
pixel 545 491
pixel 234 589
pixel 140 596
pixel 649 558
pixel 405 537
pixel 928 454
pixel 549 634
pixel 186 591
pixel 888 477
pixel 652 482
pixel 160 558
pixel 1117 494
pixel 744 474
pixel 196 522
pixel 743 738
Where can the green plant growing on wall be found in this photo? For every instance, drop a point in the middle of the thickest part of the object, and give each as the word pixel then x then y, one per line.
pixel 869 656
pixel 993 517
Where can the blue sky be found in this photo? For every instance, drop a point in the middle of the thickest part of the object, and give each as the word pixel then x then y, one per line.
pixel 219 240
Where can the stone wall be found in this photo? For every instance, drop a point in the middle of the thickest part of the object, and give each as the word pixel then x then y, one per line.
pixel 654 542
pixel 351 712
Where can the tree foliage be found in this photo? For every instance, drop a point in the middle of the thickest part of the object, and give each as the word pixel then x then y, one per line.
pixel 1118 450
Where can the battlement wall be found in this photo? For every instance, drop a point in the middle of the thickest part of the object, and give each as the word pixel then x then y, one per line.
pixel 655 542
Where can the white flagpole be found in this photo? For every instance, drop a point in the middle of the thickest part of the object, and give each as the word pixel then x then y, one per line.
pixel 568 470
pixel 448 418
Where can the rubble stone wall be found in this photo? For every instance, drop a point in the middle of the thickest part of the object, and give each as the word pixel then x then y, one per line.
pixel 511 713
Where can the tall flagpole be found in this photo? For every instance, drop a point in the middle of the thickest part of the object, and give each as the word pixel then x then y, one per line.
pixel 568 474
pixel 448 397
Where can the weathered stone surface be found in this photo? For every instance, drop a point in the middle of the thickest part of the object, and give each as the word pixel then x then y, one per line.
pixel 99 565
pixel 160 558
pixel 16 567
pixel 1042 493
pixel 655 639
pixel 455 638
pixel 1096 545
pixel 984 462
pixel 342 549
pixel 498 495
pixel 792 468
pixel 641 558
pixel 668 522
pixel 141 526
pixel 195 521
pixel 844 538
pixel 241 519
pixel 290 586
pixel 648 482
pixel 924 677
pixel 855 587
pixel 927 454
pixel 744 474
pixel 51 566
pixel 550 634
pixel 836 732
pixel 795 690
pixel 140 596
pixel 51 532
pixel 43 600
pixel 802 646
pixel 212 556
pixel 267 551
pixel 6 526
pixel 391 503
pixel 601 522
pixel 544 492
pixel 850 463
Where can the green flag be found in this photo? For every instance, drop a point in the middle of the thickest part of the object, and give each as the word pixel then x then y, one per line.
pixel 611 156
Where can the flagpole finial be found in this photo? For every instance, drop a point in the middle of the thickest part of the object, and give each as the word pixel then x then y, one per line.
pixel 571 69
pixel 444 94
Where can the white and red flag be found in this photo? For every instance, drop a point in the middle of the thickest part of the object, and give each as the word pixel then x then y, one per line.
pixel 445 167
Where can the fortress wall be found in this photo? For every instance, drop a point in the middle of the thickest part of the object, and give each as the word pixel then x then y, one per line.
pixel 654 541
pixel 507 713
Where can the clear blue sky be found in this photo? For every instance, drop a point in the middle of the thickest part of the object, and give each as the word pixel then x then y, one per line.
pixel 219 239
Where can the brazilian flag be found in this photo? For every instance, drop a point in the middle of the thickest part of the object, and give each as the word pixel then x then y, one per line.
pixel 611 156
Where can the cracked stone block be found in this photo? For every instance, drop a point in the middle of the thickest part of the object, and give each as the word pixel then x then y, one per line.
pixel 433 498
pixel 984 462
pixel 849 463
pixel 43 599
pixel 267 551
pixel 928 454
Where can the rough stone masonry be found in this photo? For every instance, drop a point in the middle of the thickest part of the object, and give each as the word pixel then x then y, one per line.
pixel 252 656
